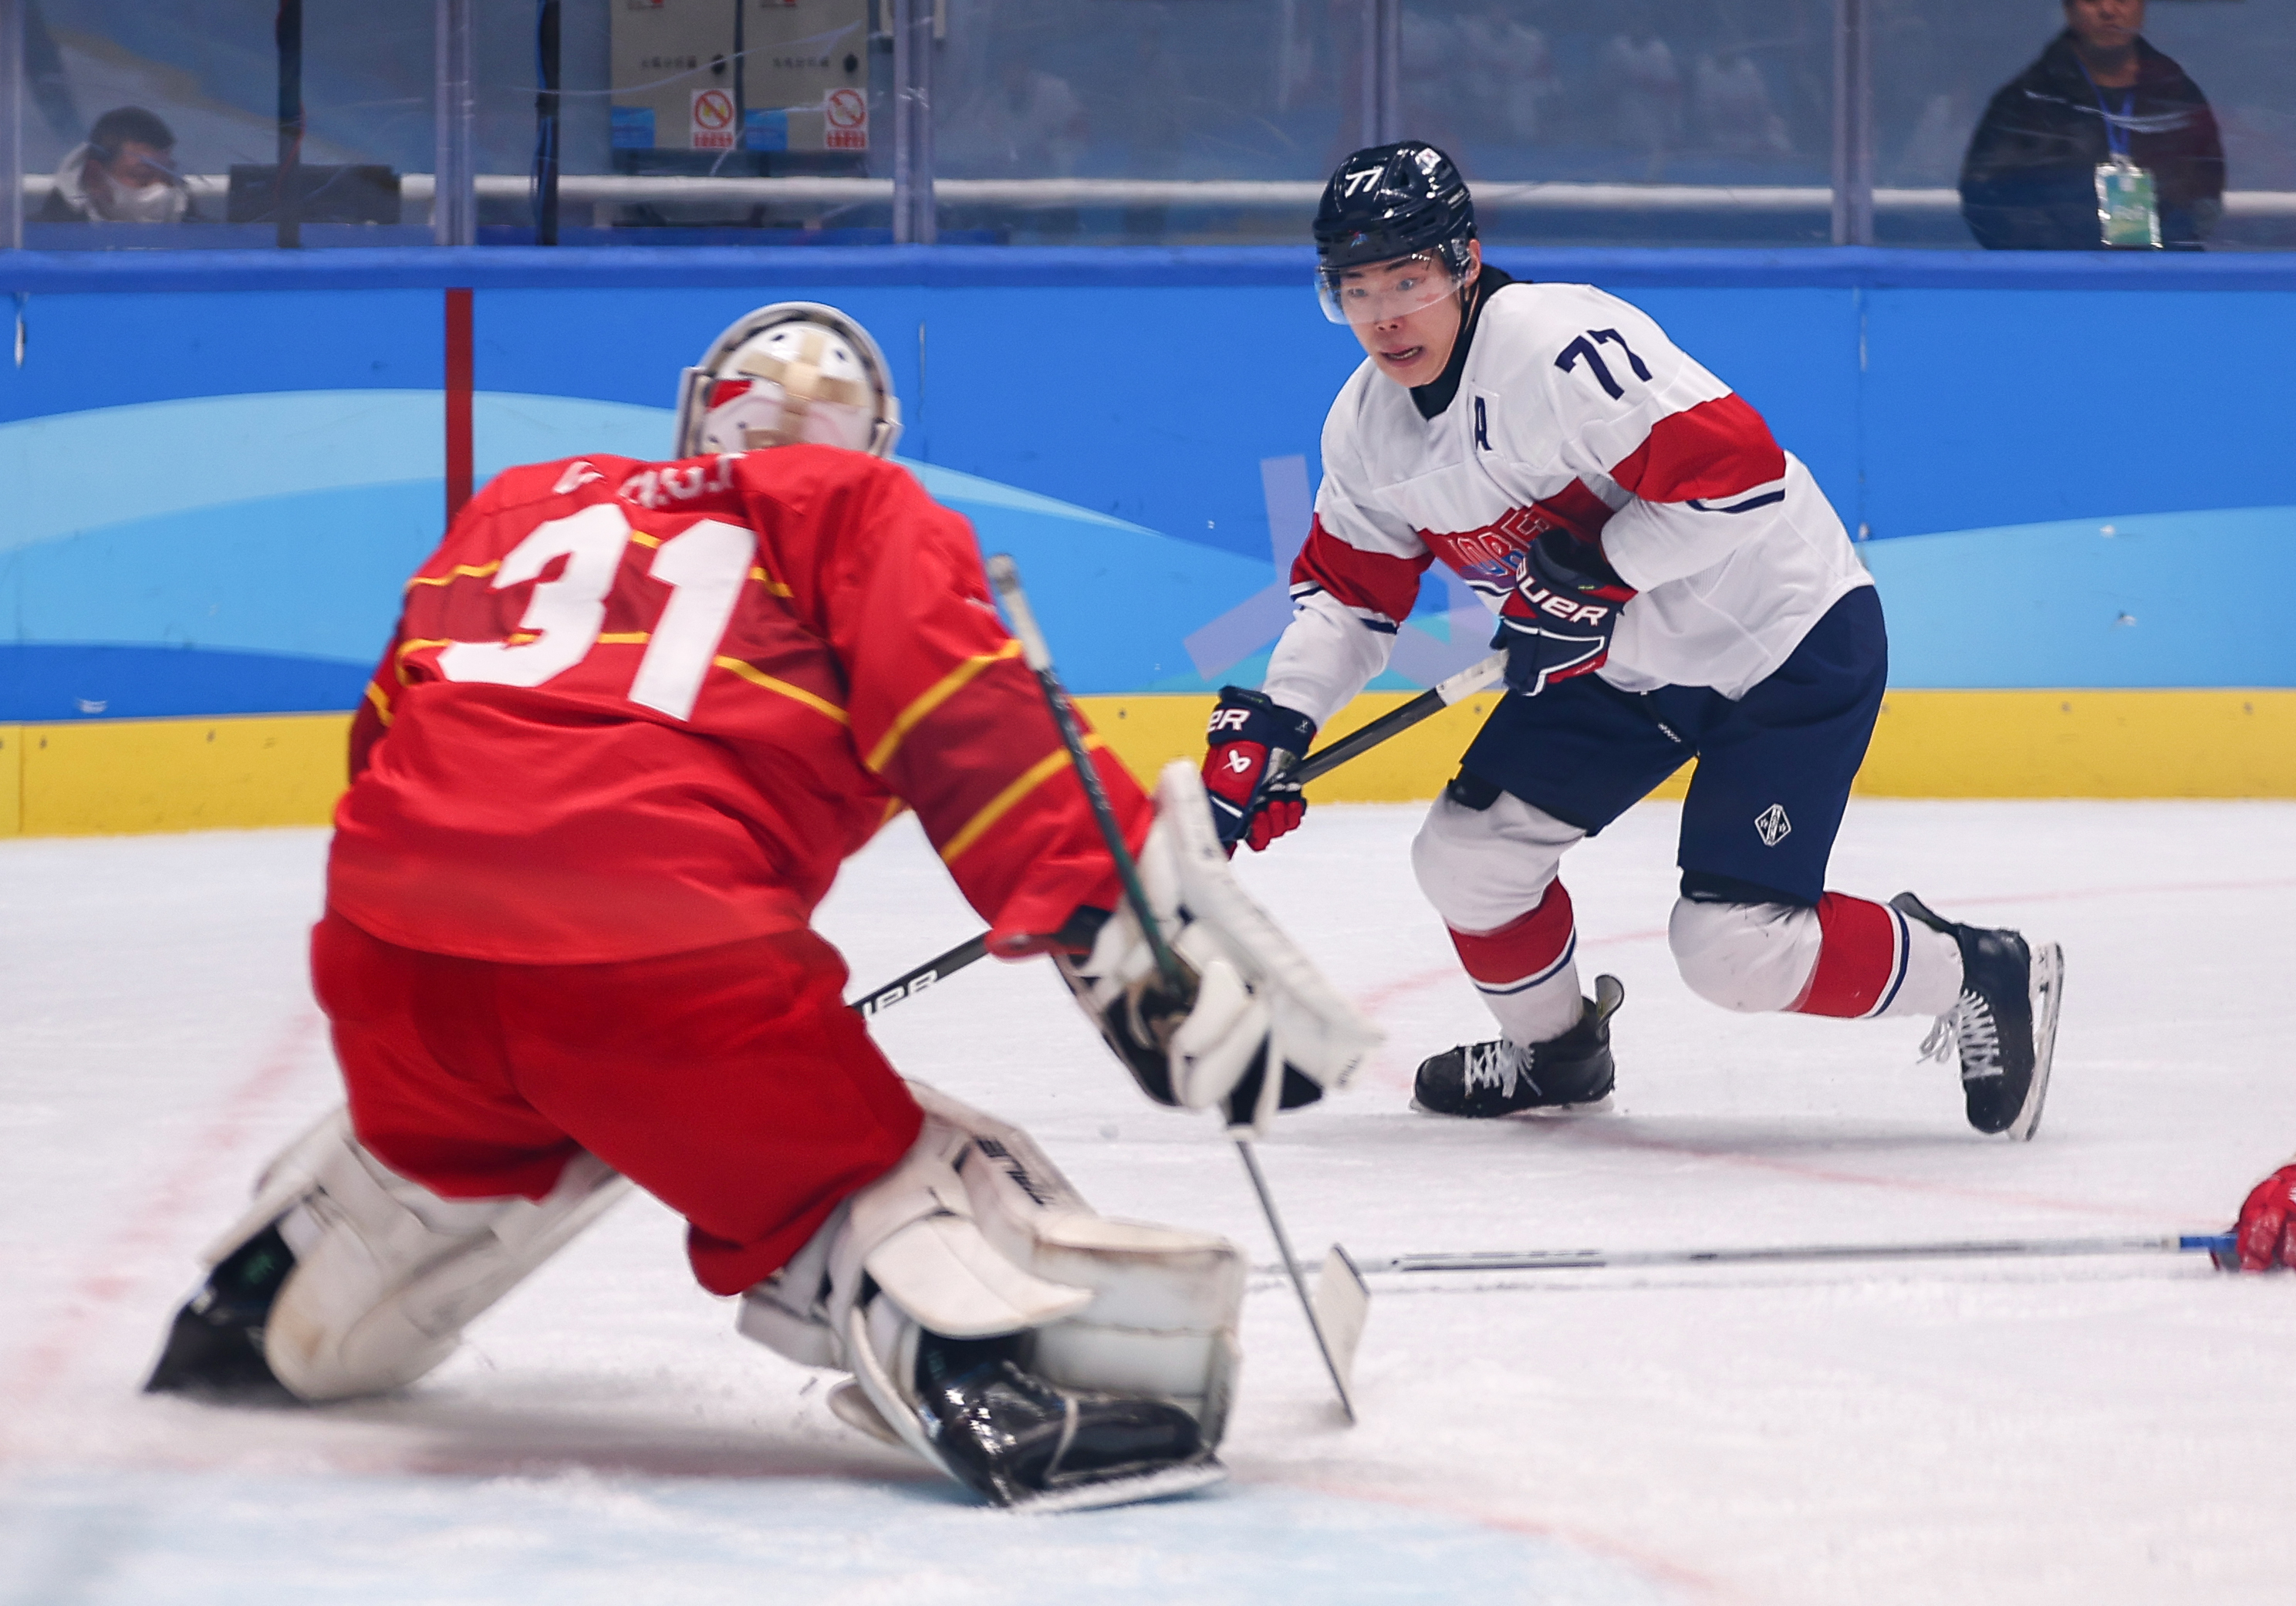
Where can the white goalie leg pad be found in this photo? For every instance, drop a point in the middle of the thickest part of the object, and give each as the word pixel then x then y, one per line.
pixel 976 1233
pixel 387 1272
pixel 1257 991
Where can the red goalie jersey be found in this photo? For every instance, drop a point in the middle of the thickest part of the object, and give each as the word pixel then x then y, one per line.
pixel 636 709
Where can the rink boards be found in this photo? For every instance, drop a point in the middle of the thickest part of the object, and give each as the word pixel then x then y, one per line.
pixel 106 777
pixel 2069 472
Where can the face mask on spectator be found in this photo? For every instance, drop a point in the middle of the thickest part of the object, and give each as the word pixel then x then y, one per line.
pixel 143 203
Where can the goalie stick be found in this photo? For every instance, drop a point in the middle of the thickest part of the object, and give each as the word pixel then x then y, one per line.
pixel 1004 578
pixel 1475 678
pixel 2218 1246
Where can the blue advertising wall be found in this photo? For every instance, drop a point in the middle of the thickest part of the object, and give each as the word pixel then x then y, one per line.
pixel 218 468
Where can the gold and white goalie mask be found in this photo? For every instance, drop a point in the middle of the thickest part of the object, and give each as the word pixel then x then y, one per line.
pixel 791 373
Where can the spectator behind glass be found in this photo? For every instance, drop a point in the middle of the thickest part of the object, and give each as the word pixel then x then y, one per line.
pixel 126 173
pixel 2099 92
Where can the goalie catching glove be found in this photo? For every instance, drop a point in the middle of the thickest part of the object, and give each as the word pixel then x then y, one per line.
pixel 1256 1027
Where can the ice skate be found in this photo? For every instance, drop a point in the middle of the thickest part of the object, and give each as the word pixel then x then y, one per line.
pixel 2004 1024
pixel 1573 1071
pixel 216 1344
pixel 1020 1441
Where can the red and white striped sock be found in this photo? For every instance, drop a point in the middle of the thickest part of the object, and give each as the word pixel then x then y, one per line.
pixel 1526 969
pixel 1873 962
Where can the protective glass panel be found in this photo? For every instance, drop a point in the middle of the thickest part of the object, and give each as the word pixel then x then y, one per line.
pixel 159 125
pixel 686 122
pixel 1991 121
pixel 1651 122
pixel 1141 121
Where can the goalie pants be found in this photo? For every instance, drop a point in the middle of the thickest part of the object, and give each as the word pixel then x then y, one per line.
pixel 732 1082
pixel 1756 929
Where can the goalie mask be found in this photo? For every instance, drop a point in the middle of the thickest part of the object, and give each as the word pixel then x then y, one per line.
pixel 794 372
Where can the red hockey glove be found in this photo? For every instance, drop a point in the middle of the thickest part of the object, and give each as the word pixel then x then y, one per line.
pixel 2266 1233
pixel 1246 734
pixel 1558 621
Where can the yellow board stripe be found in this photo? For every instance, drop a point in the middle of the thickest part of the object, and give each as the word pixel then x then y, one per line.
pixel 381 703
pixel 644 539
pixel 947 687
pixel 474 570
pixel 758 678
pixel 1043 770
pixel 625 638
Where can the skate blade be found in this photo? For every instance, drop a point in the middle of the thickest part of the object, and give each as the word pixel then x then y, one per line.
pixel 1125 1488
pixel 2047 991
pixel 1536 1112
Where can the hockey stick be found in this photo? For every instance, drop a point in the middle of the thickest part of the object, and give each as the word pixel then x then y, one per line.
pixel 910 985
pixel 1475 678
pixel 1005 578
pixel 2218 1246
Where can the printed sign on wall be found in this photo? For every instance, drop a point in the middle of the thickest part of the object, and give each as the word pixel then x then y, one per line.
pixel 845 120
pixel 713 120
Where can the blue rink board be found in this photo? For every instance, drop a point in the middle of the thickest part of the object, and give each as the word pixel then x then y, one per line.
pixel 215 1539
pixel 218 466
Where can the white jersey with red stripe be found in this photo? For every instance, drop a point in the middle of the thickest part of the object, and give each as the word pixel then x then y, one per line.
pixel 1572 409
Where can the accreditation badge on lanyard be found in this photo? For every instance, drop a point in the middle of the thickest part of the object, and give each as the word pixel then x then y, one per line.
pixel 2127 208
pixel 2127 201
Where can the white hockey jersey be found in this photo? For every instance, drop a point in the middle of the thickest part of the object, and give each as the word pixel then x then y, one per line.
pixel 1572 409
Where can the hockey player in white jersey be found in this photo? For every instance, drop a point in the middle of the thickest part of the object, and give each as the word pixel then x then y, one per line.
pixel 1669 583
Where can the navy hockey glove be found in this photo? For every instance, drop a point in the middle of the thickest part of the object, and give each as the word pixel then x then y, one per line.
pixel 1250 736
pixel 1558 620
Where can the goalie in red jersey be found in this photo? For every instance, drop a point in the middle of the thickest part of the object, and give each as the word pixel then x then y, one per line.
pixel 634 718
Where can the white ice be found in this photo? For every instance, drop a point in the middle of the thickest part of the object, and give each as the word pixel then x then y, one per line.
pixel 2073 1430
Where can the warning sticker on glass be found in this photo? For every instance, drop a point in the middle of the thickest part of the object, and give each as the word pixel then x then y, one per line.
pixel 713 120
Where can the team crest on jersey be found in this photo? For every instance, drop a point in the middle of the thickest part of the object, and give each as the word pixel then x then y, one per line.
pixel 1772 825
pixel 1491 558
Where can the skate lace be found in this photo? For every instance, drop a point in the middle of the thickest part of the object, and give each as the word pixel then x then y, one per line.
pixel 1493 1064
pixel 1969 1031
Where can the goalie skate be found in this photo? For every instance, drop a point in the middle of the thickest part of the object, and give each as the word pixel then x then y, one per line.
pixel 1022 1442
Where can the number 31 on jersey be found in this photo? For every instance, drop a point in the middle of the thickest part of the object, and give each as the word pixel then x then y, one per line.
pixel 704 566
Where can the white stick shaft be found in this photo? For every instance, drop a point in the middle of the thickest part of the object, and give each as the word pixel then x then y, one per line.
pixel 1564 1261
pixel 1475 678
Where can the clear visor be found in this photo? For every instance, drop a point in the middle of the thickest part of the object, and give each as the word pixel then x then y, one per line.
pixel 1383 292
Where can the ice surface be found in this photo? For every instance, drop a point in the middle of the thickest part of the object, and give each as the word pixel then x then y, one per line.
pixel 2094 1430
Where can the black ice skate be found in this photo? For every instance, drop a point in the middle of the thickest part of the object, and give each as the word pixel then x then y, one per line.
pixel 1019 1440
pixel 216 1345
pixel 1499 1078
pixel 2005 1025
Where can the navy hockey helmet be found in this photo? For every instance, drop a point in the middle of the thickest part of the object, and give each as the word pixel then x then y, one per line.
pixel 1386 202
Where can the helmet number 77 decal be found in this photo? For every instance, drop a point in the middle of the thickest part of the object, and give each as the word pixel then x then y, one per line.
pixel 1584 347
pixel 704 565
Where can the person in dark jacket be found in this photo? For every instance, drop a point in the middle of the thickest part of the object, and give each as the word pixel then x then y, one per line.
pixel 2102 118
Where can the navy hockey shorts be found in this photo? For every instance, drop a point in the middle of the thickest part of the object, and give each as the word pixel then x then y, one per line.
pixel 1774 767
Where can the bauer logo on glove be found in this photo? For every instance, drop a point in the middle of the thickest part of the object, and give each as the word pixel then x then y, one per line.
pixel 1558 622
pixel 1254 741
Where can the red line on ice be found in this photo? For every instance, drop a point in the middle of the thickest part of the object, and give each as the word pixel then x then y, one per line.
pixel 156 1223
